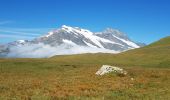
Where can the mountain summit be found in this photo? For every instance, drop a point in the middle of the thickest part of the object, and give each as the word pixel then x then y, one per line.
pixel 109 39
pixel 70 40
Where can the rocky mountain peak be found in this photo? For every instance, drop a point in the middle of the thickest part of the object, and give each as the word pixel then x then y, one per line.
pixel 72 40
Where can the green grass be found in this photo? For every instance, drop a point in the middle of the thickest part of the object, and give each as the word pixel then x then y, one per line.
pixel 72 77
pixel 162 42
pixel 154 55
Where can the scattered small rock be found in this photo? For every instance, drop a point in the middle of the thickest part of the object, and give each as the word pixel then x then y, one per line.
pixel 107 69
pixel 132 79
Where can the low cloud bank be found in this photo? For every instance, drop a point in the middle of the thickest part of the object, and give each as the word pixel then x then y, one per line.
pixel 45 51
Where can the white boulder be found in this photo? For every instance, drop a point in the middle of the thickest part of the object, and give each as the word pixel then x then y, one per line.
pixel 107 69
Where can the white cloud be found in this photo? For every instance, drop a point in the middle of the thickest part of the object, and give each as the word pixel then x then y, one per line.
pixel 44 51
pixel 22 33
pixel 19 33
pixel 5 22
pixel 35 30
pixel 15 36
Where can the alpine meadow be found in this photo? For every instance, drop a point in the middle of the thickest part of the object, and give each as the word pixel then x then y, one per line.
pixel 84 50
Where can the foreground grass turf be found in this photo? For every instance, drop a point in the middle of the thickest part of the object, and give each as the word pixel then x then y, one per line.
pixel 44 79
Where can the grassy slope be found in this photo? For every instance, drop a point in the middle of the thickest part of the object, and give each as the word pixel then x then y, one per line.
pixel 154 55
pixel 72 77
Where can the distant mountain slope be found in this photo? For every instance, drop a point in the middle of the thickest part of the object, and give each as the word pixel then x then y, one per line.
pixel 154 55
pixel 69 40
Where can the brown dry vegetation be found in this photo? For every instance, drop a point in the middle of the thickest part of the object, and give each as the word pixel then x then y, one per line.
pixel 33 79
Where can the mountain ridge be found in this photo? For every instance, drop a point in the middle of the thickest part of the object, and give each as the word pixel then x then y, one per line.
pixel 75 40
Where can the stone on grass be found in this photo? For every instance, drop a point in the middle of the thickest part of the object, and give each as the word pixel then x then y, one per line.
pixel 108 69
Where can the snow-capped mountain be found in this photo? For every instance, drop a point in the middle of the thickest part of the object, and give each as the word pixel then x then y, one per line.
pixel 71 40
pixel 108 39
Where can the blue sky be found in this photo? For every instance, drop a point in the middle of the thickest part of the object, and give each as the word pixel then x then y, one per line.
pixel 142 20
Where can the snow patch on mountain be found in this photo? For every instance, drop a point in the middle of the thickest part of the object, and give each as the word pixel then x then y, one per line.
pixel 21 41
pixel 90 45
pixel 128 42
pixel 49 34
pixel 68 42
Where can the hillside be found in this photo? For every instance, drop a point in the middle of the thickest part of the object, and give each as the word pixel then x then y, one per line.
pixel 154 55
pixel 162 42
